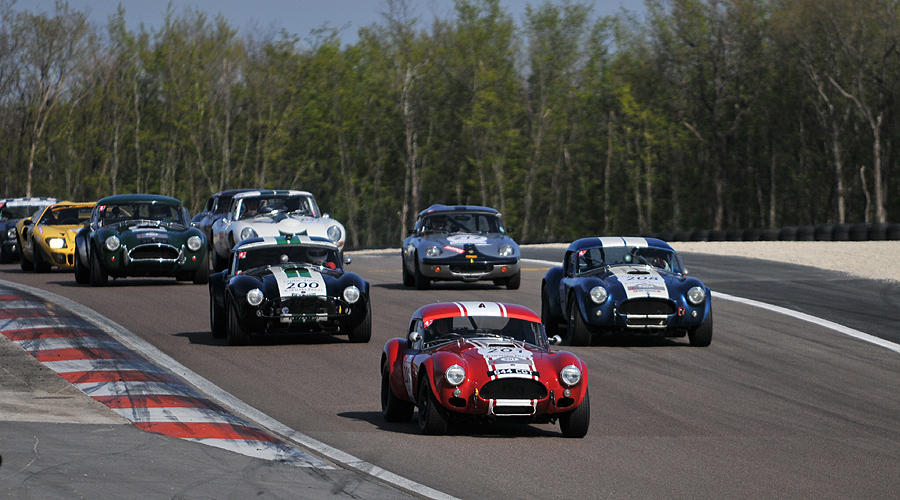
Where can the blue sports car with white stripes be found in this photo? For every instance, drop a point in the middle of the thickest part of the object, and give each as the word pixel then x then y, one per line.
pixel 627 286
pixel 290 283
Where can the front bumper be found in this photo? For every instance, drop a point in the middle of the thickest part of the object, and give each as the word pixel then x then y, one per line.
pixel 524 398
pixel 459 269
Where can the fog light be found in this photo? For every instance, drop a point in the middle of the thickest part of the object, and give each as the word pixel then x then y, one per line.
pixel 694 313
pixel 567 392
pixel 456 392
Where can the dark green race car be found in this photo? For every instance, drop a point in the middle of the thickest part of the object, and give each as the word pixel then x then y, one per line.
pixel 140 235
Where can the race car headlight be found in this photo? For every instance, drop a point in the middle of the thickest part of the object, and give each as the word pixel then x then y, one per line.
pixel 334 233
pixel 599 294
pixel 194 243
pixel 570 375
pixel 505 250
pixel 432 251
pixel 247 232
pixel 11 233
pixel 351 294
pixel 255 297
pixel 455 375
pixel 56 243
pixel 696 295
pixel 112 243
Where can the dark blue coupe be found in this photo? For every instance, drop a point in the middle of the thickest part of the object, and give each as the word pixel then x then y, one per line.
pixel 626 286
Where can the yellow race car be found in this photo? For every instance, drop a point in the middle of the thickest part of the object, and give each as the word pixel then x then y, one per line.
pixel 47 238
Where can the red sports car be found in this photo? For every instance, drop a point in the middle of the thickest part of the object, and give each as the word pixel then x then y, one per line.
pixel 482 360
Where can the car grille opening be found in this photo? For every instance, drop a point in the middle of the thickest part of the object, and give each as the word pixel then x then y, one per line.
pixel 154 252
pixel 513 388
pixel 647 306
pixel 471 268
pixel 303 305
pixel 513 410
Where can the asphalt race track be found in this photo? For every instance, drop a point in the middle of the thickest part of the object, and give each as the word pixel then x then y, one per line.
pixel 775 408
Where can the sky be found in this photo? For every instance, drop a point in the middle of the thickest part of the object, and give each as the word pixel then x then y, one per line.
pixel 298 17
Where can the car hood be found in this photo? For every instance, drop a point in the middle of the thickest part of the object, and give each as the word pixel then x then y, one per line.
pixel 68 231
pixel 640 281
pixel 144 233
pixel 502 358
pixel 295 280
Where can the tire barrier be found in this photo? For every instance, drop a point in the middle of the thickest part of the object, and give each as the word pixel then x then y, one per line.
pixel 820 232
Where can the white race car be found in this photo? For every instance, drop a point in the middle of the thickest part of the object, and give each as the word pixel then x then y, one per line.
pixel 271 213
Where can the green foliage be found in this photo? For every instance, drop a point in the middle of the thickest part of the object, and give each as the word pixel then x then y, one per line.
pixel 706 114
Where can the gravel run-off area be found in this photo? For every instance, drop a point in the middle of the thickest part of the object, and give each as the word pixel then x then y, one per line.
pixel 879 260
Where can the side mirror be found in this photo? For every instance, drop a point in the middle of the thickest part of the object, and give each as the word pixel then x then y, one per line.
pixel 411 232
pixel 326 216
pixel 510 230
pixel 348 260
pixel 555 340
pixel 26 222
pixel 414 337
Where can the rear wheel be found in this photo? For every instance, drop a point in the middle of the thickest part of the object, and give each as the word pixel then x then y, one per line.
pixel 393 408
pixel 575 423
pixel 578 333
pixel 431 422
pixel 217 318
pixel 236 334
pixel 701 336
pixel 98 276
pixel 363 331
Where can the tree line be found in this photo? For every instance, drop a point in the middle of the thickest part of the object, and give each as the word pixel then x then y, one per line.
pixel 700 114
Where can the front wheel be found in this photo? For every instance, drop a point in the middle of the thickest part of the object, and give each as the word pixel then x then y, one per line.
pixel 98 276
pixel 701 336
pixel 408 278
pixel 551 324
pixel 422 282
pixel 201 275
pixel 514 281
pixel 575 423
pixel 578 333
pixel 236 334
pixel 393 409
pixel 362 332
pixel 82 273
pixel 24 263
pixel 217 318
pixel 431 422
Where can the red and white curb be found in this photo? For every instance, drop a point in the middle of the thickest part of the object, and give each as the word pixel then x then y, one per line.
pixel 152 398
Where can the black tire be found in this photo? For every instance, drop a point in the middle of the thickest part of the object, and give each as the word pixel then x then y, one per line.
pixel 82 273
pixel 421 281
pixel 408 279
pixel 201 275
pixel 218 263
pixel 362 332
pixel 40 265
pixel 431 421
pixel 514 281
pixel 551 324
pixel 98 276
pixel 24 263
pixel 575 423
pixel 233 330
pixel 393 409
pixel 577 332
pixel 217 319
pixel 701 336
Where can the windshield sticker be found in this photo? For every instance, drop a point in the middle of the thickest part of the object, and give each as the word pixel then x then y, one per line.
pixel 462 239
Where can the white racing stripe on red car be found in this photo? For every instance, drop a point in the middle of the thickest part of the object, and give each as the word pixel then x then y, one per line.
pixel 153 399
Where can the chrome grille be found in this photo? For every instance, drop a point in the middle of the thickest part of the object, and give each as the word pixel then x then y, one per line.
pixel 154 251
